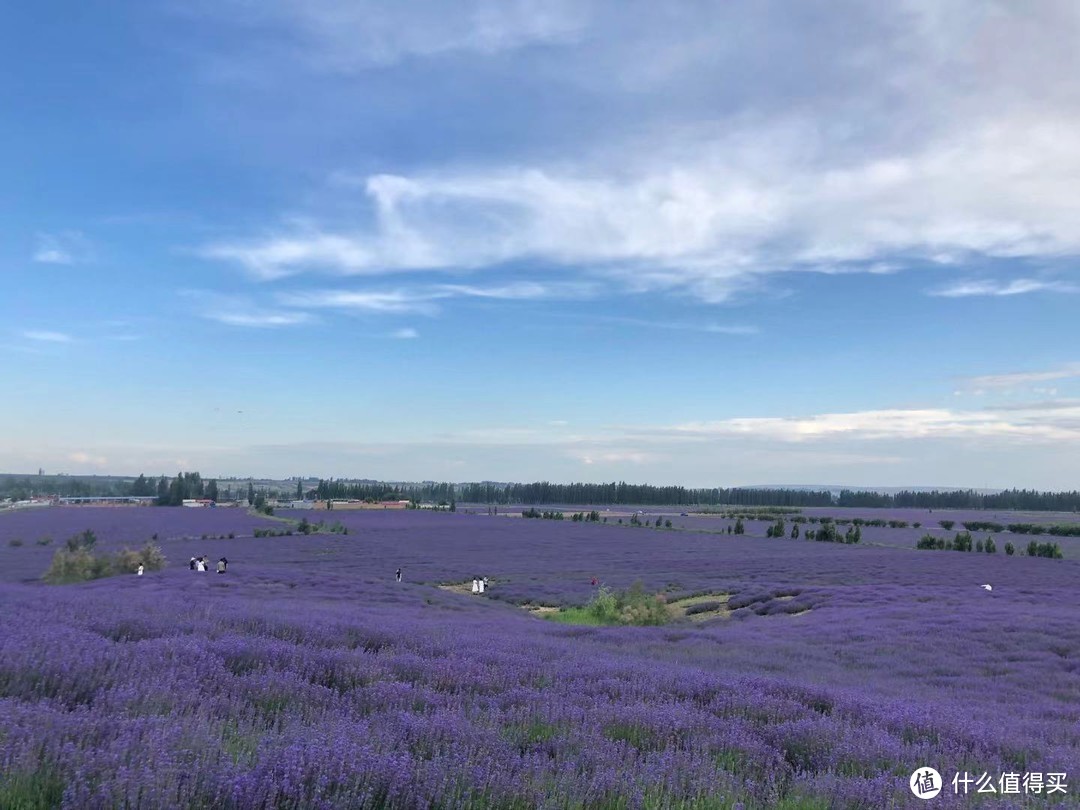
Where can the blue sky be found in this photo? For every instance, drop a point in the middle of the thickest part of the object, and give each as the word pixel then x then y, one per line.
pixel 708 243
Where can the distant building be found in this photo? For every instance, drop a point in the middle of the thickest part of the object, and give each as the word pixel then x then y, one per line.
pixel 351 504
pixel 108 500
pixel 197 502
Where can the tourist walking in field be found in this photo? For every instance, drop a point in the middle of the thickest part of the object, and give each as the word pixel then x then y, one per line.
pixel 475 585
pixel 221 565
pixel 483 583
pixel 139 570
pixel 191 565
pixel 398 575
pixel 200 564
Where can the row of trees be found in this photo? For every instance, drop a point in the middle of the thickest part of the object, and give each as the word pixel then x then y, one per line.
pixel 191 485
pixel 1009 499
pixel 544 492
pixel 963 541
pixel 622 493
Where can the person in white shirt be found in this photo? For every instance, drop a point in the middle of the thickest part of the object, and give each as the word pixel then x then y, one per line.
pixel 483 582
pixel 139 570
pixel 475 585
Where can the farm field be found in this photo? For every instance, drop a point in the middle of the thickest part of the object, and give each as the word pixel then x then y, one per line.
pixel 307 677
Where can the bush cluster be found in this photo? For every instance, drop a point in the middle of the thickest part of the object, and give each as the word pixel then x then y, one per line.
pixel 828 533
pixel 546 515
pixel 1058 530
pixel 273 533
pixel 77 562
pixel 632 607
pixel 963 542
pixel 586 517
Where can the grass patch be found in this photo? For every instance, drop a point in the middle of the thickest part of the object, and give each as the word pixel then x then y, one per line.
pixel 42 789
pixel 578 615
pixel 632 607
pixel 641 737
pixel 528 735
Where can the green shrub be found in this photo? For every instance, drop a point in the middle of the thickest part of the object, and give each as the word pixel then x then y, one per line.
pixel 15 543
pixel 85 540
pixel 927 541
pixel 81 565
pixel 604 606
pixel 1010 549
pixel 630 607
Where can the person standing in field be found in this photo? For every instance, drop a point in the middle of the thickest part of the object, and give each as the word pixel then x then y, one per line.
pixel 398 575
pixel 139 570
pixel 483 582
pixel 200 565
pixel 191 565
pixel 475 585
pixel 221 565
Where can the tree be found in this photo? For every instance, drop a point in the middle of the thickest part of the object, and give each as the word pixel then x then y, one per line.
pixel 163 491
pixel 251 494
pixel 299 489
pixel 140 487
pixel 1010 549
pixel 212 490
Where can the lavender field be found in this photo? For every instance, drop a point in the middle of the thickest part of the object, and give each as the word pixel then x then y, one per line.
pixel 306 677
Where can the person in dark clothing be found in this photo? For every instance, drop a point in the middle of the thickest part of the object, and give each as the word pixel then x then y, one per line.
pixel 191 565
pixel 398 575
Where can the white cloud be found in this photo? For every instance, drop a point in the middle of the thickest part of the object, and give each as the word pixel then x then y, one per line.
pixel 423 300
pixel 347 36
pixel 260 319
pixel 1020 286
pixel 715 223
pixel 933 423
pixel 239 311
pixel 66 247
pixel 876 137
pixel 614 457
pixel 406 333
pixel 394 302
pixel 88 459
pixel 680 326
pixel 44 336
pixel 1020 378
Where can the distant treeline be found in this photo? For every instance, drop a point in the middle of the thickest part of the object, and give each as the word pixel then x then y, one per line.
pixel 543 492
pixel 580 494
pixel 191 485
pixel 1009 499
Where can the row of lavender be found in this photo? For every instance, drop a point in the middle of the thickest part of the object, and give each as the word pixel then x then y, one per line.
pixel 307 678
pixel 305 687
